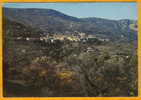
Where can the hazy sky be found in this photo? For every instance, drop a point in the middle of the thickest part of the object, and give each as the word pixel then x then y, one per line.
pixel 103 10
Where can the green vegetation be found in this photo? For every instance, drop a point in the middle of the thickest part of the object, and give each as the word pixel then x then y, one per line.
pixel 70 69
pixel 35 65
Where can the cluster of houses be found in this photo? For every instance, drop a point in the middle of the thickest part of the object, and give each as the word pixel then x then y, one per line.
pixel 62 37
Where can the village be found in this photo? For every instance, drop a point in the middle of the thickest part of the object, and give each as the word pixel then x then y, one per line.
pixel 74 37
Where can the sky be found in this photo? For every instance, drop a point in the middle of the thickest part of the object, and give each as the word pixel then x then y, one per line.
pixel 116 11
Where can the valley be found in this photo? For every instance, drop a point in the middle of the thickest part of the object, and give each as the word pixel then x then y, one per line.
pixel 49 54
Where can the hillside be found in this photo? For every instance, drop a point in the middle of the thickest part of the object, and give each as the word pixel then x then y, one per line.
pixel 49 54
pixel 52 21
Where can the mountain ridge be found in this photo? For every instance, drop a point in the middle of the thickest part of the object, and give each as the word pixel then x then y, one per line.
pixel 52 21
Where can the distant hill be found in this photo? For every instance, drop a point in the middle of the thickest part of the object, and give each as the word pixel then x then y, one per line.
pixel 52 21
pixel 15 29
